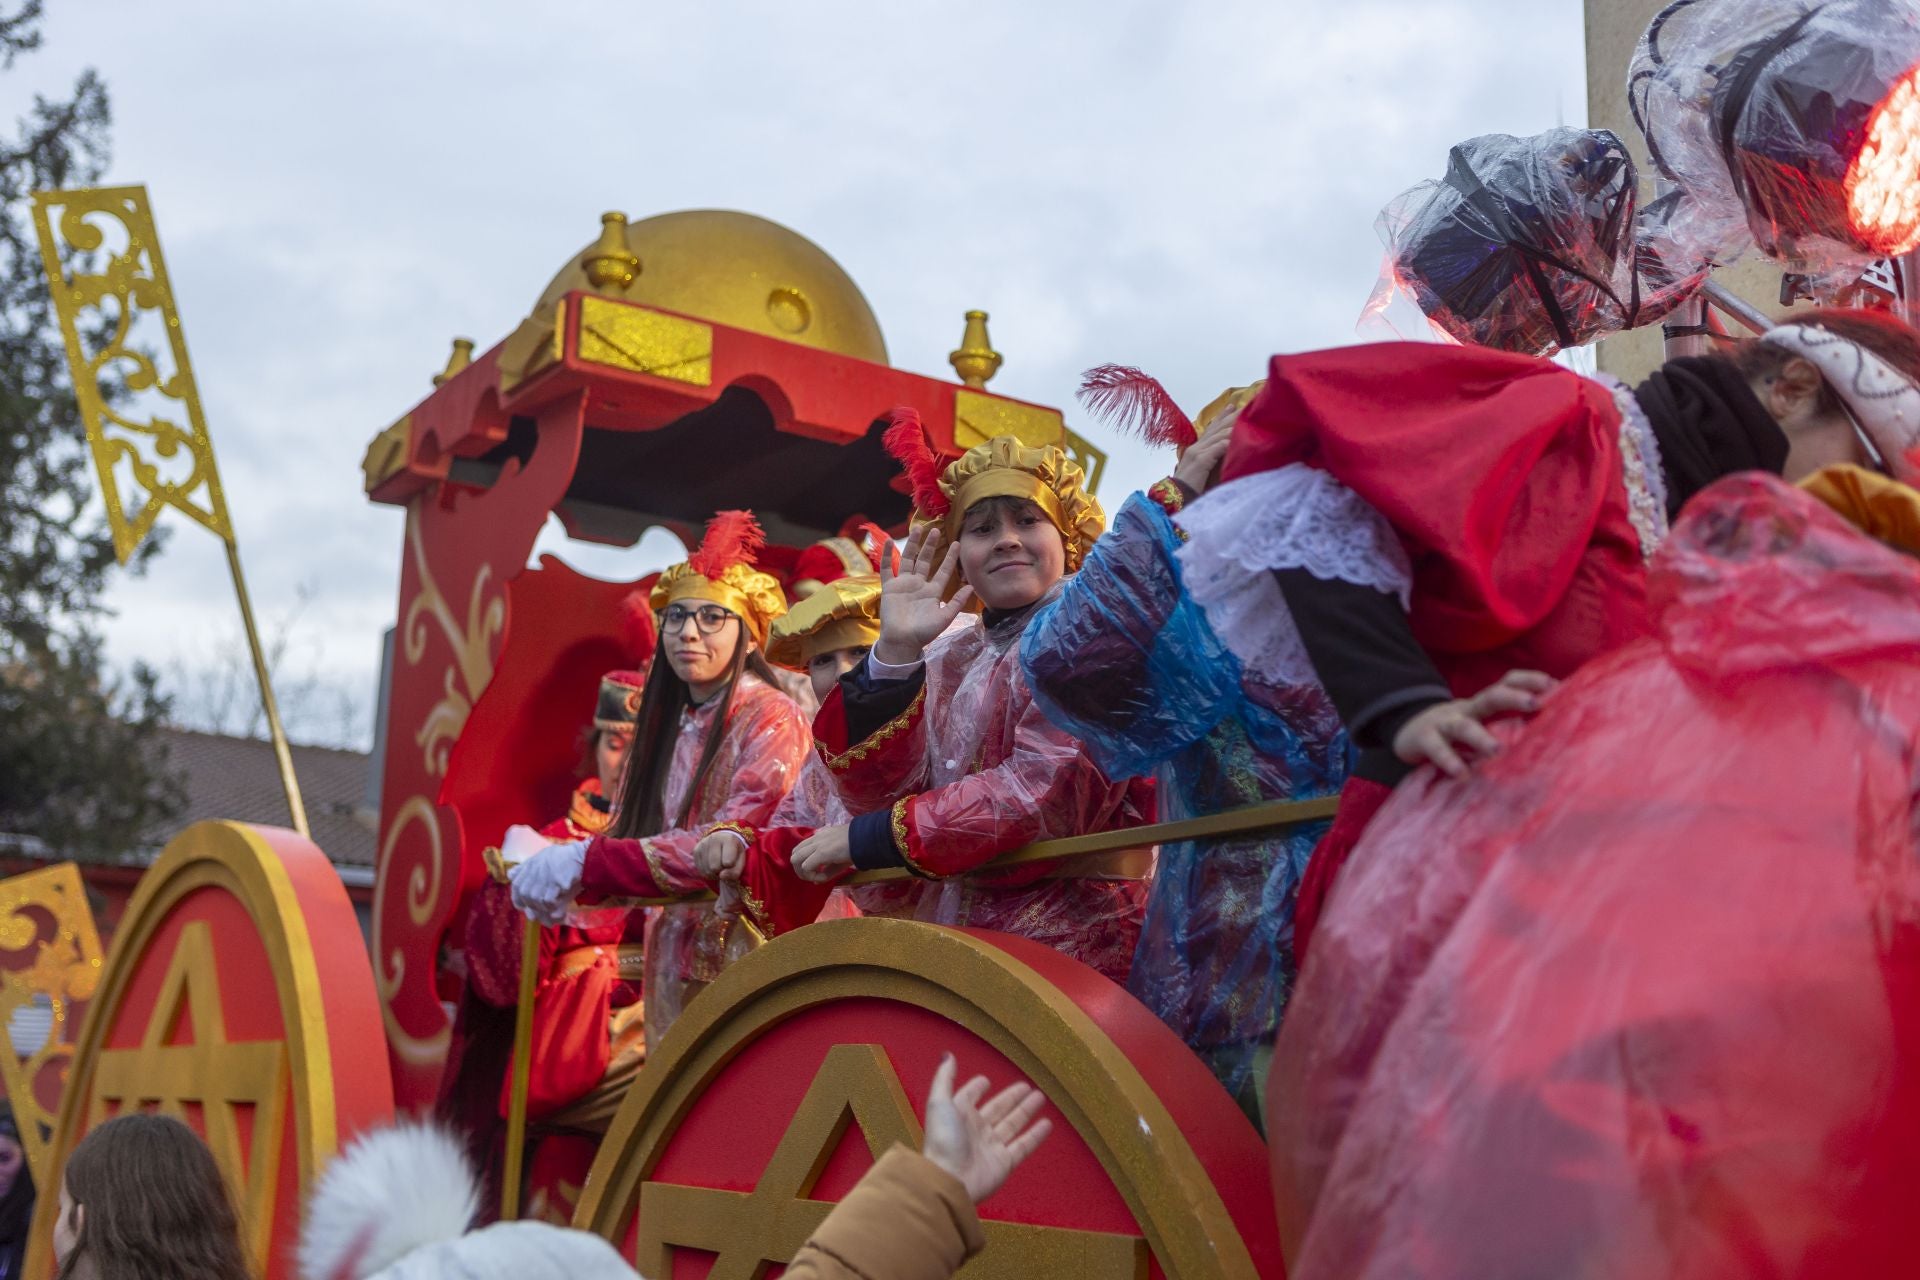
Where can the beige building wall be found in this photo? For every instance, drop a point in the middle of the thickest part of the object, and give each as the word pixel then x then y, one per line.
pixel 1613 28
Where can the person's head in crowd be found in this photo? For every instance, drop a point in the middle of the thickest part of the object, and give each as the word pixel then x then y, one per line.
pixel 1830 377
pixel 611 735
pixel 1019 518
pixel 829 632
pixel 16 1194
pixel 617 707
pixel 397 1205
pixel 714 611
pixel 142 1199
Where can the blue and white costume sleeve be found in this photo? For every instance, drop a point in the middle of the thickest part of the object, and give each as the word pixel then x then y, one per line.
pixel 1125 660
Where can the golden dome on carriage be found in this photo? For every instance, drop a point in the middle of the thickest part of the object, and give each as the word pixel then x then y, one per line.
pixel 731 268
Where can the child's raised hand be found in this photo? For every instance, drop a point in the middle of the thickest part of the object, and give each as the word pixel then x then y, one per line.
pixel 913 610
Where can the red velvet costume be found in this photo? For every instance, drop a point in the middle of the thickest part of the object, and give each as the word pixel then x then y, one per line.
pixel 1641 996
pixel 1502 476
pixel 840 614
pixel 775 899
pixel 1508 501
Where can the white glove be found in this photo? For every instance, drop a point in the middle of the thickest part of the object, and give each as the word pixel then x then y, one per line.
pixel 545 885
pixel 521 843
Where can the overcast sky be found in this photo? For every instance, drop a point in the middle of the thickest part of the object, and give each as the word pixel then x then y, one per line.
pixel 341 188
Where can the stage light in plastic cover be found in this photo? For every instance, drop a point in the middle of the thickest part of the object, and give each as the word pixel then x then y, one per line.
pixel 1883 184
pixel 1792 125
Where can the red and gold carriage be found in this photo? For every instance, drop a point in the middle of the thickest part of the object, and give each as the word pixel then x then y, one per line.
pixel 681 364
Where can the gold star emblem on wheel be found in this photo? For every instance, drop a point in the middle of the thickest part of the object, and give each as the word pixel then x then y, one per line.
pixel 185 1065
pixel 750 1230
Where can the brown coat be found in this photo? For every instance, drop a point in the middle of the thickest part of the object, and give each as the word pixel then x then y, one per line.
pixel 908 1219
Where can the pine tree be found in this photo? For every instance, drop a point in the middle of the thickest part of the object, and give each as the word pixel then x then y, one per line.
pixel 81 765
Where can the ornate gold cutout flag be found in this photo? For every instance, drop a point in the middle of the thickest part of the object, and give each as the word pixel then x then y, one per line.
pixel 168 464
pixel 148 447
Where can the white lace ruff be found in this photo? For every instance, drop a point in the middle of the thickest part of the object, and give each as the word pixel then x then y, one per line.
pixel 1295 517
pixel 1640 468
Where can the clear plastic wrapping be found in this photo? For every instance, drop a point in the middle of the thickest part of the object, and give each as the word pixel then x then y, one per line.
pixel 1126 661
pixel 984 772
pixel 1642 996
pixel 1532 245
pixel 1768 115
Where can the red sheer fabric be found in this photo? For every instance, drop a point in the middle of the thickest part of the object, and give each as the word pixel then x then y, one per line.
pixel 765 740
pixel 1642 996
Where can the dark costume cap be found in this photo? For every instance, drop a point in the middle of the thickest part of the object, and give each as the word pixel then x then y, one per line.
pixel 619 705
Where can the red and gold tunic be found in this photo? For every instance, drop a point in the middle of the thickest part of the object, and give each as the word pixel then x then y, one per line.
pixel 972 769
pixel 587 1010
pixel 775 899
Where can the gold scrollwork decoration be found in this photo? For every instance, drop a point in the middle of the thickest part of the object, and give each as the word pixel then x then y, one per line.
pixel 471 643
pixel 65 969
pixel 98 313
pixel 390 963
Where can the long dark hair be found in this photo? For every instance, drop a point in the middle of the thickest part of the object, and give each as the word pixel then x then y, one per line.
pixel 156 1207
pixel 642 808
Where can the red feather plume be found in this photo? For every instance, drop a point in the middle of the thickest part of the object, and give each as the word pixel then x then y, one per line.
pixel 635 627
pixel 874 540
pixel 906 440
pixel 732 537
pixel 1135 403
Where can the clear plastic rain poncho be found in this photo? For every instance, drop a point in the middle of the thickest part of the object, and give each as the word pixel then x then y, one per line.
pixel 1642 996
pixel 1768 114
pixel 765 740
pixel 1531 245
pixel 973 769
pixel 1125 660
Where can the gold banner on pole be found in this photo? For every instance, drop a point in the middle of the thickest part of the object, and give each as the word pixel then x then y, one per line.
pixel 165 462
pixel 99 312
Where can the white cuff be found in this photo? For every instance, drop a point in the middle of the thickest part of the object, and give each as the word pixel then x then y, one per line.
pixel 1293 517
pixel 887 671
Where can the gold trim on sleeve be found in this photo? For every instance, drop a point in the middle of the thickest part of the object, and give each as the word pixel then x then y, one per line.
pixel 877 739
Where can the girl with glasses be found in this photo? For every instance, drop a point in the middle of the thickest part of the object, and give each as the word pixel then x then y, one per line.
pixel 716 741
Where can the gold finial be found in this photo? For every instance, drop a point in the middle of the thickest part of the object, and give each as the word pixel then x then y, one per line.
pixel 611 267
pixel 976 360
pixel 461 357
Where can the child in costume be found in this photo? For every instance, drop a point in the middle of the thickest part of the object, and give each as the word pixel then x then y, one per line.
pixel 935 741
pixel 1125 661
pixel 826 635
pixel 588 1035
pixel 1439 533
pixel 716 742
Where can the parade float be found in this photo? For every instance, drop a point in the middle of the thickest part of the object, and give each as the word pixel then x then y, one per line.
pixel 691 361
pixel 676 364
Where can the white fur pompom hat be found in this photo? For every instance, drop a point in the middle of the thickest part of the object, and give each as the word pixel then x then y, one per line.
pixel 396 1205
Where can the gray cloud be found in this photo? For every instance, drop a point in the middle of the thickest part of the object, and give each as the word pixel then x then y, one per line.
pixel 341 188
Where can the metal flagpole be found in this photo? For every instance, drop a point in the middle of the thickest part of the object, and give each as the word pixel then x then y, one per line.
pixel 522 1073
pixel 282 752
